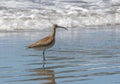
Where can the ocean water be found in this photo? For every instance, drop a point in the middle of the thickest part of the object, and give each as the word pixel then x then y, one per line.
pixel 88 53
pixel 33 14
pixel 79 56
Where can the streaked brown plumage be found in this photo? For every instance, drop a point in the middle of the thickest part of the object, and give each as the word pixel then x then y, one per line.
pixel 46 42
pixel 43 43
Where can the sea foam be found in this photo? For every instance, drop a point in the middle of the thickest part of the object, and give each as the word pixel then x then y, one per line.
pixel 26 15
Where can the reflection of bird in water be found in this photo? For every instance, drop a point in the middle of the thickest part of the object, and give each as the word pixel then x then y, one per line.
pixel 49 75
pixel 46 42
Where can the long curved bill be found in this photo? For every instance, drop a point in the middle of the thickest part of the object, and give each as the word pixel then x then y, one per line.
pixel 62 27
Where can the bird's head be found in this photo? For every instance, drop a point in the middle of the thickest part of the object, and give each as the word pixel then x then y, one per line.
pixel 57 26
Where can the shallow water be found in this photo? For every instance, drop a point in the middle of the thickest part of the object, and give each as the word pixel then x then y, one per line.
pixel 80 56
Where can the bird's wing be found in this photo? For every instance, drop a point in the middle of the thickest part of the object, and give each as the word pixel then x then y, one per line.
pixel 41 42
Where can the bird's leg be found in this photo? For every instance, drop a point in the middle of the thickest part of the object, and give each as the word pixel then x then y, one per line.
pixel 43 55
pixel 43 64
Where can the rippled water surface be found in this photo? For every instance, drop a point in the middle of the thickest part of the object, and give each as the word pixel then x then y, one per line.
pixel 80 56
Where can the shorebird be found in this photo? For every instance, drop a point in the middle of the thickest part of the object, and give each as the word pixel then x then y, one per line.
pixel 46 42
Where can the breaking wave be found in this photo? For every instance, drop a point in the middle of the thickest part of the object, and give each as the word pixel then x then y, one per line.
pixel 26 15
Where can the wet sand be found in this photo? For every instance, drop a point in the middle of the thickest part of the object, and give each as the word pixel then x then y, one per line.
pixel 79 56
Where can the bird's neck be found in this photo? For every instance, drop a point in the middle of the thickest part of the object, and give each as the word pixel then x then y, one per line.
pixel 53 32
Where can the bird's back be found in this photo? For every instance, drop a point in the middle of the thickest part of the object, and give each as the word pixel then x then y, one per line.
pixel 44 43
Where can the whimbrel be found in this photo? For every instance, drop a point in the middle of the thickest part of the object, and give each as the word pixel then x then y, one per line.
pixel 46 42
